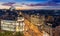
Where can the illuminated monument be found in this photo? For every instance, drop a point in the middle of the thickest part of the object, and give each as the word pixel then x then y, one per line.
pixel 13 25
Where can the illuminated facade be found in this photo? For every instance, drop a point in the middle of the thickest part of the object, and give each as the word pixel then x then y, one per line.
pixel 10 25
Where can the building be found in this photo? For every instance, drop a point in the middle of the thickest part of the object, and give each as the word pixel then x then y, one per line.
pixel 8 25
pixel 57 31
pixel 13 25
pixel 52 25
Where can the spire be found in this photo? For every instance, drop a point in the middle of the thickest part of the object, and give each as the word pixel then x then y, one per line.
pixel 12 8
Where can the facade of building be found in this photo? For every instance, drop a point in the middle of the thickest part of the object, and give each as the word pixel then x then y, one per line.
pixel 37 19
pixel 52 26
pixel 9 25
pixel 57 31
pixel 13 25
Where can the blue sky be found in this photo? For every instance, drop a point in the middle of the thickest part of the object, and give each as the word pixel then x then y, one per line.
pixel 23 1
pixel 28 1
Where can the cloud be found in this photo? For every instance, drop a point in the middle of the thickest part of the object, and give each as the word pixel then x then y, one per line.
pixel 22 0
pixel 7 0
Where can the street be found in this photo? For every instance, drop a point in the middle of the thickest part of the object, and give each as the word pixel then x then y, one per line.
pixel 31 29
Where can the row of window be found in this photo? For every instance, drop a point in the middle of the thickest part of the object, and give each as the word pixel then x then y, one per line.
pixel 12 26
